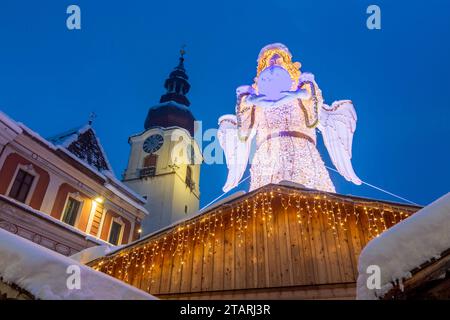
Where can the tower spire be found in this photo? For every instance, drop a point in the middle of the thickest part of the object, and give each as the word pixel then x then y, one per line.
pixel 172 109
pixel 177 85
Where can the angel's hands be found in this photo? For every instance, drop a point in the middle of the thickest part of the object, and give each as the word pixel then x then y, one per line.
pixel 254 99
pixel 298 94
pixel 243 90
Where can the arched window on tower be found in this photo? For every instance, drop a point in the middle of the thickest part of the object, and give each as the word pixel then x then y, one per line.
pixel 150 161
pixel 189 180
pixel 149 166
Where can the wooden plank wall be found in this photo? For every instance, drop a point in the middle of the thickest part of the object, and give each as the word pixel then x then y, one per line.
pixel 274 238
pixel 96 221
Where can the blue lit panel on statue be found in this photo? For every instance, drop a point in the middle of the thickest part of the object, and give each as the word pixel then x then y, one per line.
pixel 273 81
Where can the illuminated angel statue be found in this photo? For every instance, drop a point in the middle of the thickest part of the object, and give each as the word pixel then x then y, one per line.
pixel 282 110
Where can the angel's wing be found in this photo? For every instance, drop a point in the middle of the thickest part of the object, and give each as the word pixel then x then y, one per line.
pixel 236 150
pixel 337 125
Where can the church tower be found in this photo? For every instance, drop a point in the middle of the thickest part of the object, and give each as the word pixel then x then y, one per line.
pixel 164 163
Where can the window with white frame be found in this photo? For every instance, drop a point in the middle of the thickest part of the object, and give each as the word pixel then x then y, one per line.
pixel 116 231
pixel 23 184
pixel 71 210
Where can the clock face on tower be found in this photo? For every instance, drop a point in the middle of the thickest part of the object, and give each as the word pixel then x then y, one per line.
pixel 153 143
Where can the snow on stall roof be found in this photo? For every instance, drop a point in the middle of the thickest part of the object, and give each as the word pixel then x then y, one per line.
pixel 406 246
pixel 220 202
pixel 53 220
pixel 44 274
pixel 90 254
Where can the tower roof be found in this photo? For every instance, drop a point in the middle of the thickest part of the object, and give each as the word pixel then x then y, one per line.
pixel 173 107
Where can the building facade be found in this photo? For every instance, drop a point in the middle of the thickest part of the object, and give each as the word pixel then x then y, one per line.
pixel 165 160
pixel 61 192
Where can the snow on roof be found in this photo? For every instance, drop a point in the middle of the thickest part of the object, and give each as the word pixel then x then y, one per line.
pixel 10 122
pixel 90 254
pixel 37 136
pixel 45 274
pixel 67 137
pixel 406 246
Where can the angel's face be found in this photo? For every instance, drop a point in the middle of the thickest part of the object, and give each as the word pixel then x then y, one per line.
pixel 272 81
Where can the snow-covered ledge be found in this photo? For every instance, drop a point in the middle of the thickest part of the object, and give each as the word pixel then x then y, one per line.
pixel 43 273
pixel 406 246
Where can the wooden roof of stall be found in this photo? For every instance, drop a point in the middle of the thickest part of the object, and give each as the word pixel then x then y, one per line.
pixel 277 241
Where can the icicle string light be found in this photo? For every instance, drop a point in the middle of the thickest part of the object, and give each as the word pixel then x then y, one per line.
pixel 141 260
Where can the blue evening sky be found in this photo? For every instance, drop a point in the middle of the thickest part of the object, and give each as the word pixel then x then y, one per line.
pixel 52 78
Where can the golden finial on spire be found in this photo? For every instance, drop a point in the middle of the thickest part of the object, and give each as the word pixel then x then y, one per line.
pixel 182 51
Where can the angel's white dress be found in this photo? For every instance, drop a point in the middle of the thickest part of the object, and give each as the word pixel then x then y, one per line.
pixel 286 147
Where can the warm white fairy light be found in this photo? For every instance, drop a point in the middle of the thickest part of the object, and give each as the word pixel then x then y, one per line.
pixel 143 263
